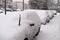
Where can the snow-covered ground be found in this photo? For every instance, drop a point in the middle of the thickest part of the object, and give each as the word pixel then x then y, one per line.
pixel 50 31
pixel 10 30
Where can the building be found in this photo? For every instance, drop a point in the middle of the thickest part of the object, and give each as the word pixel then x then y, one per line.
pixel 1 3
pixel 19 5
pixel 8 3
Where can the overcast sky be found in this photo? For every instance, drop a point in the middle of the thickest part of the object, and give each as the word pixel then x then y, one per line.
pixel 26 1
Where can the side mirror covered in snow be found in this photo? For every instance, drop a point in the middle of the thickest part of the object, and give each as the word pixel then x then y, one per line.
pixel 11 31
pixel 31 24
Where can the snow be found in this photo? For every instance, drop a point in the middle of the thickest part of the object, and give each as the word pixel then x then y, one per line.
pixel 43 14
pixel 50 31
pixel 30 17
pixel 51 13
pixel 10 30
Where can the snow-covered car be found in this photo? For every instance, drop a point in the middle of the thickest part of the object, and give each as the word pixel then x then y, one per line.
pixel 43 14
pixel 1 11
pixel 31 21
pixel 51 13
pixel 8 9
pixel 18 9
pixel 28 30
pixel 55 12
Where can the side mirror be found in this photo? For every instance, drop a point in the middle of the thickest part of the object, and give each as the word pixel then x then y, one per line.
pixel 31 24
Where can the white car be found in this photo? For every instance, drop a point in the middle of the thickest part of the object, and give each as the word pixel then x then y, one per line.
pixel 28 30
pixel 43 14
pixel 8 9
pixel 32 22
pixel 51 13
pixel 18 9
pixel 1 11
pixel 55 12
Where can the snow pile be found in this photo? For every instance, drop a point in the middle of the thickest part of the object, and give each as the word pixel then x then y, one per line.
pixel 9 29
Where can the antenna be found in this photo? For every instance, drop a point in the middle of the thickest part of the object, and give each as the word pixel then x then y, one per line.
pixel 19 19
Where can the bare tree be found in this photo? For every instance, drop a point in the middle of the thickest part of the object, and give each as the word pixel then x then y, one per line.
pixel 38 4
pixel 33 4
pixel 23 5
